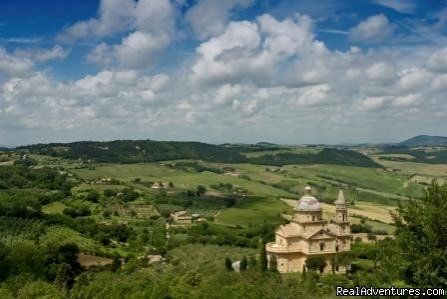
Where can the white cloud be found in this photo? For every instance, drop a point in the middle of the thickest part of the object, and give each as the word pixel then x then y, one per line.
pixel 438 61
pixel 402 6
pixel 262 79
pixel 11 65
pixel 375 29
pixel 148 26
pixel 42 55
pixel 210 17
pixel 256 51
pixel 38 102
pixel 115 16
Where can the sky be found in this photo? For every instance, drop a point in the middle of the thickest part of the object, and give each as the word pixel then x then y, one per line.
pixel 283 71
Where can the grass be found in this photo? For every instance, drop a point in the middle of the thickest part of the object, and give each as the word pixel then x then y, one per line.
pixel 182 179
pixel 100 188
pixel 54 208
pixel 252 210
pixel 368 178
pixel 433 170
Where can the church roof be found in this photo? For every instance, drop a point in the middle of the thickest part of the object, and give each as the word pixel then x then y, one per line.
pixel 341 198
pixel 308 202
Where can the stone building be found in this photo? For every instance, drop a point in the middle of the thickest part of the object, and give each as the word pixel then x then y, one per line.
pixel 308 234
pixel 181 217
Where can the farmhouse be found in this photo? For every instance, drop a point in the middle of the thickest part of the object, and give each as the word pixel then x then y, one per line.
pixel 181 217
pixel 308 234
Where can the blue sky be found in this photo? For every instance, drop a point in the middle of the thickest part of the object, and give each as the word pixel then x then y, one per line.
pixel 222 71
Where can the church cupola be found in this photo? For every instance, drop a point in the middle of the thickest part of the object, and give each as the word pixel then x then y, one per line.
pixel 308 207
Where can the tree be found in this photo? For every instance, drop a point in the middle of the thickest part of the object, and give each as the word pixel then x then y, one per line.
pixel 345 259
pixel 273 264
pixel 263 261
pixel 109 192
pixel 421 237
pixel 228 264
pixel 200 190
pixel 372 237
pixel 116 264
pixel 106 213
pixel 93 196
pixel 316 263
pixel 252 262
pixel 63 276
pixel 243 264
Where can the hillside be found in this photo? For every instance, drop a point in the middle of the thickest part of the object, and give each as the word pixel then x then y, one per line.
pixel 138 151
pixel 424 140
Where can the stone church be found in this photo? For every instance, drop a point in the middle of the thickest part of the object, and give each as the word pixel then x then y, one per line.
pixel 308 234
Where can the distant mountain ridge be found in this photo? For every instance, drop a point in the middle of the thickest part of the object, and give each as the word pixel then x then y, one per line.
pixel 425 140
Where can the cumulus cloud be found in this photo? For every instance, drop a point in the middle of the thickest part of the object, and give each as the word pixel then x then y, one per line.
pixel 210 17
pixel 257 51
pixel 148 26
pixel 375 29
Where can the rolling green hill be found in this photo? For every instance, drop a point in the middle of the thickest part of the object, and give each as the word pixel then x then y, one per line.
pixel 141 151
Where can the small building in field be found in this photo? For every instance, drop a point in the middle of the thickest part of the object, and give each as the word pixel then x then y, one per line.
pixel 308 234
pixel 181 217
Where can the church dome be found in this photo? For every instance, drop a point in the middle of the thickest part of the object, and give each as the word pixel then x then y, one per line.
pixel 308 202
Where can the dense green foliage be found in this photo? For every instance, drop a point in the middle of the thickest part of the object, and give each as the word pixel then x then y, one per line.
pixel 23 177
pixel 422 238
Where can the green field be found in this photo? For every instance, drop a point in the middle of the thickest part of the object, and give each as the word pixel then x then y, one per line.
pixel 264 183
pixel 253 210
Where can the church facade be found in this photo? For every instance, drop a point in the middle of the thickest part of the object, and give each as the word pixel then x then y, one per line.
pixel 308 234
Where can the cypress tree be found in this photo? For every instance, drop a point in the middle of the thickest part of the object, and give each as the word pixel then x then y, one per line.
pixel 243 265
pixel 228 264
pixel 263 262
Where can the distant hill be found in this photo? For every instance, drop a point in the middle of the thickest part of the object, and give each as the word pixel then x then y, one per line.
pixel 267 144
pixel 139 151
pixel 424 140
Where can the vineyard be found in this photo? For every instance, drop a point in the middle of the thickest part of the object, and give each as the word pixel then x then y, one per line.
pixel 63 235
pixel 14 230
pixel 210 212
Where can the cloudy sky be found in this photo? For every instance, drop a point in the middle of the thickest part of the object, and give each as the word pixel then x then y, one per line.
pixel 287 71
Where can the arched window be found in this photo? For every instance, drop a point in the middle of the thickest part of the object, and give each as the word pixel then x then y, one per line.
pixel 313 218
pixel 321 246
